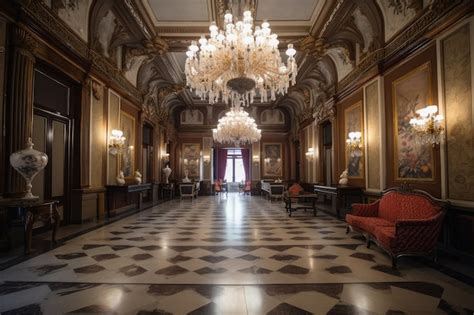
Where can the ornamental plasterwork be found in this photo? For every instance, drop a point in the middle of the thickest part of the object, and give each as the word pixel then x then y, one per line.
pixel 155 101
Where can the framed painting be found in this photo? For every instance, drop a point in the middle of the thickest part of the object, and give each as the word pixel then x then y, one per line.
pixel 272 158
pixel 191 158
pixel 353 122
pixel 191 117
pixel 127 161
pixel 413 160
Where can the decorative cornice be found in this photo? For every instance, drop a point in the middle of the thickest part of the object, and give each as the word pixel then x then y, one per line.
pixel 409 36
pixel 24 43
pixel 53 25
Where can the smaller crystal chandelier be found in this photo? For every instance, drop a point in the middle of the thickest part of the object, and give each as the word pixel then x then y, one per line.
pixel 354 141
pixel 116 142
pixel 236 128
pixel 428 125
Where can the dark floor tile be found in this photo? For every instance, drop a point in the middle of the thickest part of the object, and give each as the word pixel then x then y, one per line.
pixel 339 269
pixel 95 309
pixel 364 256
pixel 154 312
pixel 426 288
pixel 172 271
pixel 295 270
pixel 92 246
pixel 256 270
pixel 248 257
pixel 139 257
pixel 271 239
pixel 89 269
pixel 279 248
pixel 102 257
pixel 186 233
pixel 150 247
pixel 47 269
pixel 387 269
pixel 395 312
pixel 208 270
pixel 344 309
pixel 330 257
pixel 179 258
pixel 120 247
pixel 348 246
pixel 208 309
pixel 288 309
pixel 165 289
pixel 132 270
pixel 213 259
pixel 32 309
pixel 285 257
pixel 136 239
pixel 12 287
pixel 71 256
pixel 301 238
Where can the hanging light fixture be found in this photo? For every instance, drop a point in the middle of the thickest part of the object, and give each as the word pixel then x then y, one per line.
pixel 428 125
pixel 239 62
pixel 236 128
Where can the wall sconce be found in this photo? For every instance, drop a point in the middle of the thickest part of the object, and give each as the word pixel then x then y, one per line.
pixel 427 125
pixel 355 141
pixel 116 142
pixel 310 154
pixel 256 160
pixel 185 161
pixel 267 160
pixel 166 157
pixel 206 159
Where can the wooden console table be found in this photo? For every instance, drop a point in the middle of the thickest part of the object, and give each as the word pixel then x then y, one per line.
pixel 340 196
pixel 32 210
pixel 126 197
pixel 301 202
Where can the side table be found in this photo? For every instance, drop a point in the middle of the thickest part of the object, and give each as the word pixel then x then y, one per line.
pixel 32 210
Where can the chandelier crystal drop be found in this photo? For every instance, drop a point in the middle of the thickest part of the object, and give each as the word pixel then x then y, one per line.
pixel 238 62
pixel 236 128
pixel 428 125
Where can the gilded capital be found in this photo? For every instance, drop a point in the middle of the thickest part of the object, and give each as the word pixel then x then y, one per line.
pixel 24 43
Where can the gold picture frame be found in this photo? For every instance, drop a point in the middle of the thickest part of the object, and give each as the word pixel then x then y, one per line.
pixel 413 161
pixel 272 160
pixel 191 153
pixel 354 121
pixel 127 158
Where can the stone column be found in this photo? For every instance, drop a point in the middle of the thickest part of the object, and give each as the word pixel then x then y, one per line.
pixel 19 102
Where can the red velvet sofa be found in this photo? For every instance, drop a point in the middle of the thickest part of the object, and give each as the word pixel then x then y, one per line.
pixel 403 222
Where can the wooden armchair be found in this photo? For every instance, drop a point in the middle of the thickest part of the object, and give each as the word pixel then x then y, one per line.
pixel 187 190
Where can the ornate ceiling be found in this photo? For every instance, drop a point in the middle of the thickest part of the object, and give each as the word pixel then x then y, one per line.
pixel 336 42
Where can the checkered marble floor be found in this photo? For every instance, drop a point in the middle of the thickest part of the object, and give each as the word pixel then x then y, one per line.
pixel 218 255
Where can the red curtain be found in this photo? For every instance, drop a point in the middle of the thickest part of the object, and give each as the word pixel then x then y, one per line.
pixel 221 163
pixel 246 162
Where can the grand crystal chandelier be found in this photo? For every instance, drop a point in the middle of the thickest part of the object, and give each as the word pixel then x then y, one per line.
pixel 239 62
pixel 236 128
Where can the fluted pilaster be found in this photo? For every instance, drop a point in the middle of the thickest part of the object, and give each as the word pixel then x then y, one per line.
pixel 20 102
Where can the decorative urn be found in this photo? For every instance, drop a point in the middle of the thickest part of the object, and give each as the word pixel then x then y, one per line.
pixel 344 178
pixel 138 177
pixel 186 178
pixel 120 179
pixel 167 171
pixel 28 162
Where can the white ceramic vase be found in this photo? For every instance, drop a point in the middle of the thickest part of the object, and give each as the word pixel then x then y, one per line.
pixel 167 171
pixel 28 162
pixel 120 179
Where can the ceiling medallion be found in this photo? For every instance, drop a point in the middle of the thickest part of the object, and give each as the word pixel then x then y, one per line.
pixel 239 62
pixel 236 128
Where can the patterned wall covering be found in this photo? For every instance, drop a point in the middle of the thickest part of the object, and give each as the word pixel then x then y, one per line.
pixel 457 74
pixel 98 136
pixel 373 136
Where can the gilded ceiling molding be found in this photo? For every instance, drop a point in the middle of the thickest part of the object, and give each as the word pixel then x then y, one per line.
pixel 435 11
pixel 155 101
pixel 137 18
pixel 37 11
